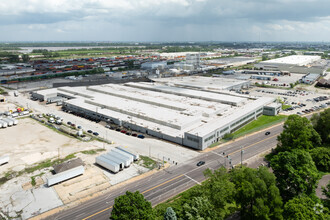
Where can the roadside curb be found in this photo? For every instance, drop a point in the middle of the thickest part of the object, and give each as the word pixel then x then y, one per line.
pixel 237 139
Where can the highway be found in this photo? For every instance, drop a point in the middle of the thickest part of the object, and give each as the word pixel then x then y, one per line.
pixel 169 182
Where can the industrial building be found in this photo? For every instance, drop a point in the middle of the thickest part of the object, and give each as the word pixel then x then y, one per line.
pixel 310 78
pixel 294 64
pixel 193 112
pixel 154 65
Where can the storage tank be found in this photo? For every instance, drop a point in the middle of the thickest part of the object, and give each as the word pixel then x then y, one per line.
pixel 3 124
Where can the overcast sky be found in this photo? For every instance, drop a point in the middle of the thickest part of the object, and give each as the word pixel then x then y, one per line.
pixel 165 20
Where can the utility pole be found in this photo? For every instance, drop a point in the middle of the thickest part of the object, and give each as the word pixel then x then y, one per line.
pixel 242 151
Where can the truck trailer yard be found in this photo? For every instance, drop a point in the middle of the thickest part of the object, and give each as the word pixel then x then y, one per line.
pixel 24 190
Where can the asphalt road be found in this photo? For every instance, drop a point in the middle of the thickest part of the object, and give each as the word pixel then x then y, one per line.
pixel 169 182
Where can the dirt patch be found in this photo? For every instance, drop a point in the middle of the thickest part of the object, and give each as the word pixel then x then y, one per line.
pixel 29 142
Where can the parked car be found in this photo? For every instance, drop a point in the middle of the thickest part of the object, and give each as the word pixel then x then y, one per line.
pixel 69 123
pixel 118 129
pixel 267 133
pixel 140 136
pixel 200 163
pixel 90 131
pixel 134 135
pixel 107 126
pixel 123 131
pixel 95 133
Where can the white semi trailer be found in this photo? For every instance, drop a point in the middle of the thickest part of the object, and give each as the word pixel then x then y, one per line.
pixel 108 164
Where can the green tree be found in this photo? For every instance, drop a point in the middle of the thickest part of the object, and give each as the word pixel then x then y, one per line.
pixel 295 173
pixel 170 214
pixel 25 58
pixel 13 58
pixel 131 206
pixel 326 192
pixel 257 193
pixel 321 158
pixel 322 125
pixel 220 191
pixel 303 207
pixel 198 208
pixel 264 57
pixel 298 133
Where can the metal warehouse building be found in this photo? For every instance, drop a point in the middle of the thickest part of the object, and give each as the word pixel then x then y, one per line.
pixel 294 64
pixel 185 114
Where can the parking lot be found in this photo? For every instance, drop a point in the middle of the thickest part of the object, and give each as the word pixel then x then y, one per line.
pixel 298 101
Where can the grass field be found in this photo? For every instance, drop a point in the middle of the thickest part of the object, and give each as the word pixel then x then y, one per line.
pixel 259 124
pixel 286 106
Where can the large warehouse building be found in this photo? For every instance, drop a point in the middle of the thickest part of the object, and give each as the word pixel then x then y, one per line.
pixel 294 64
pixel 182 114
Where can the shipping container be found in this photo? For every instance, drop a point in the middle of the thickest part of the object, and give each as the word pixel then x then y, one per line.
pixel 112 166
pixel 135 155
pixel 65 175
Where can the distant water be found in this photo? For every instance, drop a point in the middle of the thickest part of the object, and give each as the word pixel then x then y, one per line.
pixel 30 49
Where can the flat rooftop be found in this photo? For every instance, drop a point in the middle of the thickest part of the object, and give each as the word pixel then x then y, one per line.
pixel 299 60
pixel 203 95
pixel 213 83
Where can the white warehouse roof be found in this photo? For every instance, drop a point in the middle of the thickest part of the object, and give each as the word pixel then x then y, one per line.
pixel 298 60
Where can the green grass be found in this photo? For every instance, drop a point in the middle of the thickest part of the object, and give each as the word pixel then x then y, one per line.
pixel 286 106
pixel 328 70
pixel 91 152
pixel 262 122
pixel 2 91
pixel 33 178
pixel 148 162
pixel 41 165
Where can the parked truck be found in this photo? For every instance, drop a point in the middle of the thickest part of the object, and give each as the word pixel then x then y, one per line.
pixel 3 124
pixel 110 165
pixel 135 155
pixel 127 161
pixel 9 122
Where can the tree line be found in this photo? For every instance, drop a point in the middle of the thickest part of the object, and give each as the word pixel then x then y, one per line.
pixel 301 156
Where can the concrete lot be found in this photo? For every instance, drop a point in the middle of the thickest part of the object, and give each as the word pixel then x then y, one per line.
pixel 30 142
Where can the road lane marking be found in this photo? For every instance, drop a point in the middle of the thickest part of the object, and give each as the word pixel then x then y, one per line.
pixel 252 145
pixel 192 179
pixel 182 175
pixel 221 155
pixel 141 193
pixel 162 183
pixel 97 213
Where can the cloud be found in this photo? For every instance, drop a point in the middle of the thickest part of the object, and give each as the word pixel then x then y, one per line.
pixel 164 19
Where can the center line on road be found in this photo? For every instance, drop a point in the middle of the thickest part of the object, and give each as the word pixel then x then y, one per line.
pixel 192 179
pixel 252 145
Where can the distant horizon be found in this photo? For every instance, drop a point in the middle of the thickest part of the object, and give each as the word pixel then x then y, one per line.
pixel 159 42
